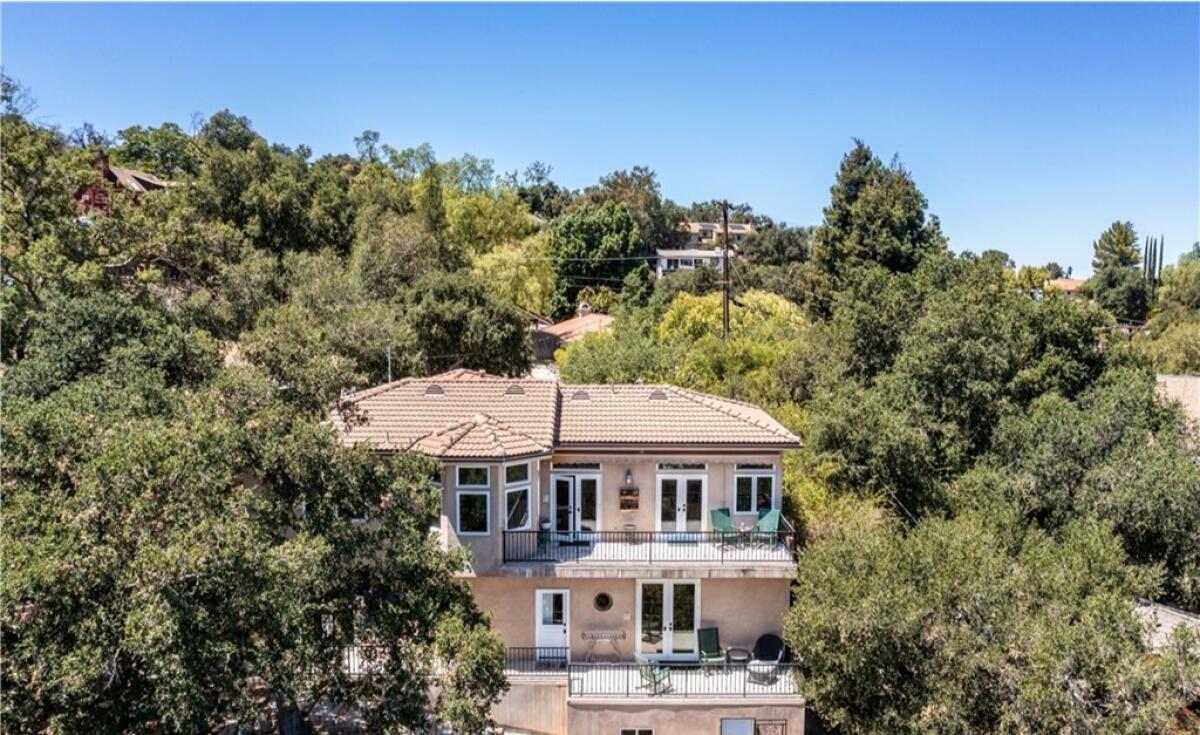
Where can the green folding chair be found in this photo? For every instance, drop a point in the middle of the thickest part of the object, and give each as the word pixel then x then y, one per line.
pixel 711 653
pixel 654 677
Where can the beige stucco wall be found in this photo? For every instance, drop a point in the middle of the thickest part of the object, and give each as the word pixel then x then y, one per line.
pixel 743 609
pixel 488 550
pixel 675 718
pixel 537 706
pixel 719 473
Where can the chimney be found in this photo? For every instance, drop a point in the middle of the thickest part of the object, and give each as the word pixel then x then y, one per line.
pixel 584 308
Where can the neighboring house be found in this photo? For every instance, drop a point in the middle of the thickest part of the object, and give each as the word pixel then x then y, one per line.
pixel 1162 621
pixel 710 234
pixel 703 247
pixel 1069 287
pixel 98 196
pixel 536 321
pixel 616 532
pixel 1182 388
pixel 548 339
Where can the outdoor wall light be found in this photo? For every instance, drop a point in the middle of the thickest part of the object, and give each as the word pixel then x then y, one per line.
pixel 629 477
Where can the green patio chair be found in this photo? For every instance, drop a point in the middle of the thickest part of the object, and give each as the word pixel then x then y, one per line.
pixel 711 653
pixel 766 531
pixel 655 677
pixel 722 526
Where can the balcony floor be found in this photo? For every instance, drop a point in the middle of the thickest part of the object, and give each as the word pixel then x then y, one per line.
pixel 598 681
pixel 658 552
pixel 624 680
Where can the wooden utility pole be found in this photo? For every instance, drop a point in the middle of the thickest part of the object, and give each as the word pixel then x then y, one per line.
pixel 725 271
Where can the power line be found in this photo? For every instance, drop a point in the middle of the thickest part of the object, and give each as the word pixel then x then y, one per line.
pixel 570 260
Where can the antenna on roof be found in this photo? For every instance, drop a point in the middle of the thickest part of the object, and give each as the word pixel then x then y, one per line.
pixel 389 354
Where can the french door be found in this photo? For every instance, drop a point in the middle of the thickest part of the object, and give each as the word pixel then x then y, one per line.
pixel 668 615
pixel 576 503
pixel 681 503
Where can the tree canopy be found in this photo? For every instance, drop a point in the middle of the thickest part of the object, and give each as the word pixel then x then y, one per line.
pixel 988 478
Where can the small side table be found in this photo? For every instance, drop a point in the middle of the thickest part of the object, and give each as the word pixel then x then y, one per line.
pixel 738 656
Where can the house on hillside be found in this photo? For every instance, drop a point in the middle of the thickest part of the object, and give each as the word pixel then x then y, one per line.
pixel 547 339
pixel 627 540
pixel 536 321
pixel 704 247
pixel 98 196
pixel 1069 287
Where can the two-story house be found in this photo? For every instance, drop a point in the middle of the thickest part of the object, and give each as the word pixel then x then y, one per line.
pixel 704 247
pixel 626 540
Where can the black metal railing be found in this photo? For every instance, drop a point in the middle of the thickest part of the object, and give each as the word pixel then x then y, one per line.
pixel 636 680
pixel 651 547
pixel 535 660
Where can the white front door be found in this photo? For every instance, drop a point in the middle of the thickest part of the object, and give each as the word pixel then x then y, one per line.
pixel 576 503
pixel 668 613
pixel 681 503
pixel 553 622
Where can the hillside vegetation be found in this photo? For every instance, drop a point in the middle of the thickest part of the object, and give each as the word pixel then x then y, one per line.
pixel 988 482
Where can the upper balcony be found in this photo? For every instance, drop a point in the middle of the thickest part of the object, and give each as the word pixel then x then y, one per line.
pixel 577 553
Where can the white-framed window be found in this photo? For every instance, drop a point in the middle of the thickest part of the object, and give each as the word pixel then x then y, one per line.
pixel 517 516
pixel 474 512
pixel 518 497
pixel 473 475
pixel 637 731
pixel 672 263
pixel 516 474
pixel 737 726
pixel 753 490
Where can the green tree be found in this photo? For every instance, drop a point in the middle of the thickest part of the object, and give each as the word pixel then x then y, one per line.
pixel 541 194
pixel 456 321
pixel 176 560
pixel 165 150
pixel 593 245
pixel 657 219
pixel 963 626
pixel 876 214
pixel 392 251
pixel 778 245
pixel 1122 291
pixel 1117 247
pixel 1115 454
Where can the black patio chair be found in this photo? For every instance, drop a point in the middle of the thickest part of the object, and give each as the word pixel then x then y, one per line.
pixel 765 660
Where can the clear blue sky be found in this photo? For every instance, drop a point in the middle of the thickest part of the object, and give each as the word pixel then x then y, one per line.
pixel 1029 127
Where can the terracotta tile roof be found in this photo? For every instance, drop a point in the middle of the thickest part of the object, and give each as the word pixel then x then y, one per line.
pixel 1066 285
pixel 572 329
pixel 662 415
pixel 480 436
pixel 138 181
pixel 466 414
pixel 451 414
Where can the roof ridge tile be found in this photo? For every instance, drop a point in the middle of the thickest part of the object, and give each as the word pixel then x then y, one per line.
pixel 715 403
